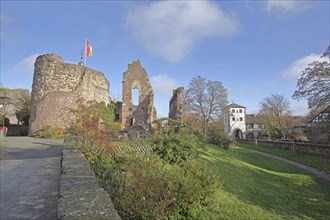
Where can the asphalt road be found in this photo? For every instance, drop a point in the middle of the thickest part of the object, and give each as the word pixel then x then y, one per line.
pixel 29 178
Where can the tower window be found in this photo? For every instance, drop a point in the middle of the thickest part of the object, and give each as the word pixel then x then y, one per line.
pixel 135 96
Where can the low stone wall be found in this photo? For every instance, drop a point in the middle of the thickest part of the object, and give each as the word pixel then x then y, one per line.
pixel 17 130
pixel 302 147
pixel 80 195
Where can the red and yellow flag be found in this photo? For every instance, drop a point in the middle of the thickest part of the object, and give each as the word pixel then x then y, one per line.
pixel 89 51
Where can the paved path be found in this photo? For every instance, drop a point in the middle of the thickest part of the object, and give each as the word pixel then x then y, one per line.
pixel 316 172
pixel 29 178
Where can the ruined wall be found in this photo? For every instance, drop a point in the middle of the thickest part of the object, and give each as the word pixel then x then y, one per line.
pixel 144 113
pixel 176 105
pixel 56 88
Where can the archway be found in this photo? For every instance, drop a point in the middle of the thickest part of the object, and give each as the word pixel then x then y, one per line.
pixel 250 135
pixel 238 134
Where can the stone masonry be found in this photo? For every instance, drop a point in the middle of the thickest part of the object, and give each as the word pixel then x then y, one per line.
pixel 81 197
pixel 56 88
pixel 176 105
pixel 144 113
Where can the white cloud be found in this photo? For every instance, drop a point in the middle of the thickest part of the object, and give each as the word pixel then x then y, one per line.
pixel 295 69
pixel 170 29
pixel 163 85
pixel 285 5
pixel 299 108
pixel 26 66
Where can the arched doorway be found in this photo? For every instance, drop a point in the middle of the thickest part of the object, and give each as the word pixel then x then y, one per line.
pixel 238 134
pixel 250 135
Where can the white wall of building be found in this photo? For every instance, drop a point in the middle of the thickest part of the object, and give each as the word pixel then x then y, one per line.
pixel 235 120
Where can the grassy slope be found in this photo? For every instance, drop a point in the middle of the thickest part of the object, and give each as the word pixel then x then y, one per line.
pixel 255 187
pixel 319 162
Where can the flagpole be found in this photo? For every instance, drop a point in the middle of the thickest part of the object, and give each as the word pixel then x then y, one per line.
pixel 85 50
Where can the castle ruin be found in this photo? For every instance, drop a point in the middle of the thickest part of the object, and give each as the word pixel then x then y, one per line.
pixel 137 117
pixel 56 88
pixel 176 105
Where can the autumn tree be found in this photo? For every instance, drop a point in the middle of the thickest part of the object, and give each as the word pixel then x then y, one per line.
pixel 272 110
pixel 93 126
pixel 314 84
pixel 206 100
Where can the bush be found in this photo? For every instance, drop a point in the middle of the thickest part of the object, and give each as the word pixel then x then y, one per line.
pixel 93 127
pixel 145 187
pixel 51 133
pixel 223 141
pixel 174 149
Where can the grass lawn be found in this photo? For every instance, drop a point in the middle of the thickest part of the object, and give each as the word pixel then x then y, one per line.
pixel 317 161
pixel 256 187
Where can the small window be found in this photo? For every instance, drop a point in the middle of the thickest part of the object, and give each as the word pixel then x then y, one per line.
pixel 116 117
pixel 236 111
pixel 240 111
pixel 233 118
pixel 132 121
pixel 233 111
pixel 241 119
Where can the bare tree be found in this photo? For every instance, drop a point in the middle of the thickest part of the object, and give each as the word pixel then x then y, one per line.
pixel 273 108
pixel 23 106
pixel 314 84
pixel 206 100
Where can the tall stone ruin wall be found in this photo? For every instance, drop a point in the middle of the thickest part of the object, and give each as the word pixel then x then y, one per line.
pixel 176 105
pixel 56 88
pixel 144 113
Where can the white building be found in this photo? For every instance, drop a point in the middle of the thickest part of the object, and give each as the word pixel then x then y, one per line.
pixel 234 121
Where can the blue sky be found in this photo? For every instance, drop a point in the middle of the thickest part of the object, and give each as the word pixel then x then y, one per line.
pixel 255 48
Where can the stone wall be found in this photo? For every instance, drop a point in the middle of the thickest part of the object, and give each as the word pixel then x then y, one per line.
pixel 80 195
pixel 176 105
pixel 144 113
pixel 15 95
pixel 302 147
pixel 56 88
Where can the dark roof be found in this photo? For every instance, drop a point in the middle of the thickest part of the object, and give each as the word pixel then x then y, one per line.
pixel 326 110
pixel 234 105
pixel 252 119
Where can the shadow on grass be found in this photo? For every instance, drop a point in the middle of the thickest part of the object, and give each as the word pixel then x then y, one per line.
pixel 270 184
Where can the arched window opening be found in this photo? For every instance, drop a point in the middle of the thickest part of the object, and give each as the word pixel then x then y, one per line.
pixel 135 96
